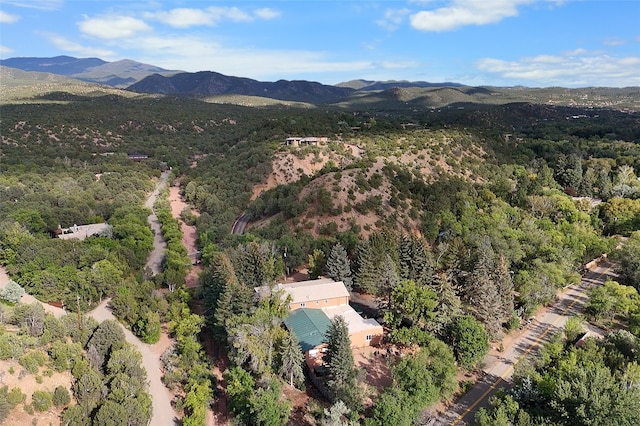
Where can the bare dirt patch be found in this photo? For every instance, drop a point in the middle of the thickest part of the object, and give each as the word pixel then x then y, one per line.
pixel 28 385
pixel 189 234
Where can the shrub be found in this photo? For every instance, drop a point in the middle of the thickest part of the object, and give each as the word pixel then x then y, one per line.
pixel 32 361
pixel 41 400
pixel 61 397
pixel 12 292
pixel 15 397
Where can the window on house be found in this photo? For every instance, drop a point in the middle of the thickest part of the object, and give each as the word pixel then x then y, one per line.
pixel 326 301
pixel 302 305
pixel 368 337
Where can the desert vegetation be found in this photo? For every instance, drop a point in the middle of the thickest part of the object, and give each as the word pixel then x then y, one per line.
pixel 459 226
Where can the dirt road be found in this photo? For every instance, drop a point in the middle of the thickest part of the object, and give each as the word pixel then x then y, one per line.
pixel 497 374
pixel 154 261
pixel 163 413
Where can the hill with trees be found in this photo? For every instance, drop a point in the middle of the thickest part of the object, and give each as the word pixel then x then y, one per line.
pixel 459 223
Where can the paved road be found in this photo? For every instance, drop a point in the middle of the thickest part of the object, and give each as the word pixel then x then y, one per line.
pixel 163 413
pixel 498 374
pixel 240 224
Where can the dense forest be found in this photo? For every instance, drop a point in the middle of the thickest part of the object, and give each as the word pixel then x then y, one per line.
pixel 479 216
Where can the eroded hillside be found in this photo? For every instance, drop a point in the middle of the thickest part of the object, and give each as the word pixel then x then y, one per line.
pixel 368 182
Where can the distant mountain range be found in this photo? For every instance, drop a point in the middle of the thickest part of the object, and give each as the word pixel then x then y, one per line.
pixel 117 74
pixel 207 83
pixel 374 95
pixel 384 85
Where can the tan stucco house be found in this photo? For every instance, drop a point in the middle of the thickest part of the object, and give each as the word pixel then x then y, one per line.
pixel 313 305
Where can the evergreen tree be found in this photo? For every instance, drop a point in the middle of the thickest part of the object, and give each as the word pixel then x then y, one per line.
pixel 569 171
pixel 481 290
pixel 291 360
pixel 338 267
pixel 504 285
pixel 371 255
pixel 387 281
pixel 225 298
pixel 368 268
pixel 449 305
pixel 107 338
pixel 213 282
pixel 414 258
pixel 339 359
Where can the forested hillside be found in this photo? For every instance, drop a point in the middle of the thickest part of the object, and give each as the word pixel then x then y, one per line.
pixel 459 223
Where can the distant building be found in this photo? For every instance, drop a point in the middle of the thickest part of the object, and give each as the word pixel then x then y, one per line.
pixel 297 141
pixel 138 157
pixel 83 231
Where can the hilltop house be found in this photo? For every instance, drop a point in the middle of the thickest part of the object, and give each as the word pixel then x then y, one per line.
pixel 297 141
pixel 80 232
pixel 313 304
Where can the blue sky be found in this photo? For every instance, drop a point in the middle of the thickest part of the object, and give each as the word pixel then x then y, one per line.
pixel 573 43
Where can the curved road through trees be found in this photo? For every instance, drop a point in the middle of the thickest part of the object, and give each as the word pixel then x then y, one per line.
pixel 498 374
pixel 162 411
pixel 240 224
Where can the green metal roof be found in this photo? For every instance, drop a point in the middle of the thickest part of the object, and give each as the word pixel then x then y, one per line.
pixel 309 326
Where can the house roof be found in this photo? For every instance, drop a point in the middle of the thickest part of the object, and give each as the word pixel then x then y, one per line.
pixel 309 291
pixel 80 232
pixel 354 321
pixel 309 326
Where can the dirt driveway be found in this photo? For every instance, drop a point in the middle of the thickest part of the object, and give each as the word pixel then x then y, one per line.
pixel 163 413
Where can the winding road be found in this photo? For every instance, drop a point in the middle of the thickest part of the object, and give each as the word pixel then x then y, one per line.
pixel 240 224
pixel 154 261
pixel 162 411
pixel 497 374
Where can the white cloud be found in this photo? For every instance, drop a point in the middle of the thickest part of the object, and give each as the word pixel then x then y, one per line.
pixel 7 18
pixel 4 50
pixel 76 48
pixel 36 4
pixel 183 17
pixel 192 54
pixel 393 18
pixel 266 13
pixel 571 69
pixel 112 27
pixel 613 42
pixel 211 16
pixel 461 13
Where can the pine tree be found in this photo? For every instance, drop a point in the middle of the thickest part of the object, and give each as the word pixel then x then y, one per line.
pixel 387 281
pixel 414 258
pixel 214 282
pixel 368 269
pixel 449 304
pixel 292 359
pixel 504 284
pixel 339 359
pixel 481 290
pixel 234 302
pixel 338 267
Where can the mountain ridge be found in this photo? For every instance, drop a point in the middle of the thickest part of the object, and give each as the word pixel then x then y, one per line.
pixel 364 94
pixel 118 74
